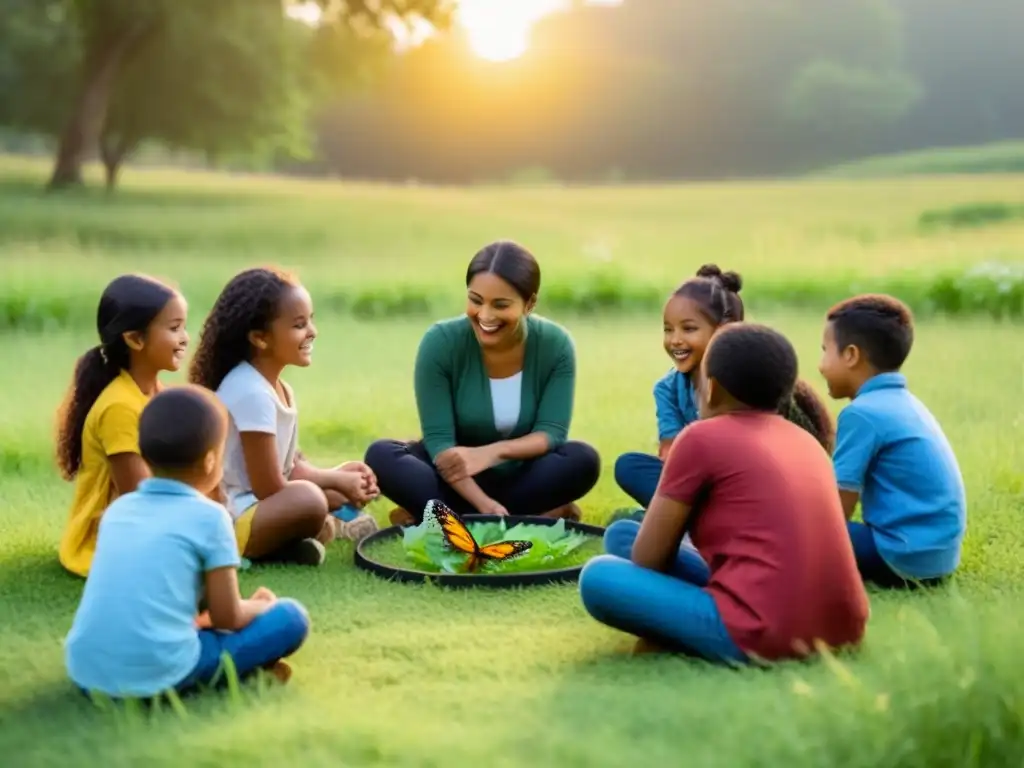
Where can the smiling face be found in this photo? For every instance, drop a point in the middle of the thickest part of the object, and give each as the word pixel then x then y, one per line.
pixel 289 339
pixel 495 309
pixel 162 346
pixel 687 333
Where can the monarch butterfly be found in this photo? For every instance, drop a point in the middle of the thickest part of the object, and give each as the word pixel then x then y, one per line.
pixel 458 537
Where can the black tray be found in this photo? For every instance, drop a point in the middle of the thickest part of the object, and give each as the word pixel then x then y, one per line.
pixel 499 580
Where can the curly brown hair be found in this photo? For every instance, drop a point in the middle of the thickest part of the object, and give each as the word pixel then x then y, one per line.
pixel 806 409
pixel 249 302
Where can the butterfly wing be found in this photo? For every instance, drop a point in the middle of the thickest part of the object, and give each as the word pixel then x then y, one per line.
pixel 455 532
pixel 505 550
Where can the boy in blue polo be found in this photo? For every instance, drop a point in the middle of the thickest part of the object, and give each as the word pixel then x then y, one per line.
pixel 891 455
pixel 136 633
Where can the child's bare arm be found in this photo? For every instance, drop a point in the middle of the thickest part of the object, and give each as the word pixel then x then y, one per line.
pixel 227 608
pixel 262 463
pixel 850 500
pixel 127 471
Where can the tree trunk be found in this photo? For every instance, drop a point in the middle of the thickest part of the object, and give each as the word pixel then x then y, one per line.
pixel 84 126
pixel 113 152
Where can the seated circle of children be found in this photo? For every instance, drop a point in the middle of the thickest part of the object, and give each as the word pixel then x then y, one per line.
pixel 141 327
pixel 773 574
pixel 282 505
pixel 691 316
pixel 891 453
pixel 136 633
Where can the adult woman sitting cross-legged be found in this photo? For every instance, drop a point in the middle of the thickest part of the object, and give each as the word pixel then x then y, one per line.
pixel 494 391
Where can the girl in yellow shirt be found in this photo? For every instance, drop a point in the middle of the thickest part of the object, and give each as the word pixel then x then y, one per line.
pixel 141 325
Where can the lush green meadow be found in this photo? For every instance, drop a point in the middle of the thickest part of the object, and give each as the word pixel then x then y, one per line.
pixel 407 675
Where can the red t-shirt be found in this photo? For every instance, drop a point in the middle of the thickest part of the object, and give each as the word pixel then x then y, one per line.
pixel 767 519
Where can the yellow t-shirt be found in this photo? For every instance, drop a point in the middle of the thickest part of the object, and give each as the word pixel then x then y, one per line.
pixel 111 427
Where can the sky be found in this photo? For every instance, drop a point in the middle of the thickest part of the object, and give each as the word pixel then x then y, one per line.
pixel 498 30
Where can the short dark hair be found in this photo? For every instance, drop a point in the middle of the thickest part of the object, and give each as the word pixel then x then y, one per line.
pixel 881 326
pixel 512 263
pixel 179 426
pixel 754 363
pixel 717 293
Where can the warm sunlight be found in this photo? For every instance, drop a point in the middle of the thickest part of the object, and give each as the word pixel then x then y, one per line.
pixel 499 30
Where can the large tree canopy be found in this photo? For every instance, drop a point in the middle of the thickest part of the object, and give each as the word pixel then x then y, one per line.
pixel 232 76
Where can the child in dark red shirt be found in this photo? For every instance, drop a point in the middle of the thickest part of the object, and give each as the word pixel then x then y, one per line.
pixel 775 574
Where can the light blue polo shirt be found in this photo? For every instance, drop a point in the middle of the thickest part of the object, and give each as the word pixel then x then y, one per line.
pixel 675 404
pixel 891 450
pixel 134 633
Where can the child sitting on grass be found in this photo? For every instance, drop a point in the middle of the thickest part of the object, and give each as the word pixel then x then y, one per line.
pixel 775 574
pixel 891 454
pixel 141 326
pixel 136 633
pixel 692 314
pixel 262 323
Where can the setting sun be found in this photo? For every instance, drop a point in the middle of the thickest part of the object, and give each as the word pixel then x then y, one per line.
pixel 499 30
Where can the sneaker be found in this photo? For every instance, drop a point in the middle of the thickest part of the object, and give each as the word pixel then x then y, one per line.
pixel 627 513
pixel 299 552
pixel 356 529
pixel 399 516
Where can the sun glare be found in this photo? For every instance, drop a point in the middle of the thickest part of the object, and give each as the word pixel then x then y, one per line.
pixel 499 30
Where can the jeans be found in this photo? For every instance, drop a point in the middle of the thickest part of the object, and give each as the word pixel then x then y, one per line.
pixel 407 476
pixel 872 565
pixel 638 474
pixel 268 638
pixel 671 608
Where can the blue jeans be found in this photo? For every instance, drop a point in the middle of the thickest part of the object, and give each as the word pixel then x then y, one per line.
pixel 872 565
pixel 270 637
pixel 671 608
pixel 637 474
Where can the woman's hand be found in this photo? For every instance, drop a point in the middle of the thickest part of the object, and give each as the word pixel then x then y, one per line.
pixel 491 507
pixel 460 463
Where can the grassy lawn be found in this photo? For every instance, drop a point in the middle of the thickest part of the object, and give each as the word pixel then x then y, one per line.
pixel 411 675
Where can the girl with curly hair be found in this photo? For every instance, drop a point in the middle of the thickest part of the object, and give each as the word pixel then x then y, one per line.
pixel 141 327
pixel 281 505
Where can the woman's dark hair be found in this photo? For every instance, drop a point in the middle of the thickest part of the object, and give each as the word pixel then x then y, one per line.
pixel 754 363
pixel 129 303
pixel 249 302
pixel 512 263
pixel 179 426
pixel 716 293
pixel 807 410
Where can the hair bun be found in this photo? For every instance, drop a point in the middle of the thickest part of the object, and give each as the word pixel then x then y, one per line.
pixel 731 281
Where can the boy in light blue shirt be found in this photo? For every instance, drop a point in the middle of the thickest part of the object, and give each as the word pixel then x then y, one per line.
pixel 136 633
pixel 891 455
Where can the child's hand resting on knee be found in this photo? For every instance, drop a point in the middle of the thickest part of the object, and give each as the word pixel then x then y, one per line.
pixel 357 487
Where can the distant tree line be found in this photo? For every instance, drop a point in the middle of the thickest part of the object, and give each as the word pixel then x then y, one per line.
pixel 649 89
pixel 662 89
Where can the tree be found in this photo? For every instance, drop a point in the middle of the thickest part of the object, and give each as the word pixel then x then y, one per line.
pixel 149 68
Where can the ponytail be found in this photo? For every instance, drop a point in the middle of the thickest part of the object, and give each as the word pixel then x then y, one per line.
pixel 805 409
pixel 128 304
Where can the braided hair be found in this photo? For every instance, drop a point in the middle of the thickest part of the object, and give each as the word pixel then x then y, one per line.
pixel 128 304
pixel 716 293
pixel 249 302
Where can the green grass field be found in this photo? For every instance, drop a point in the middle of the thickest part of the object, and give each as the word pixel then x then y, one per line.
pixel 419 676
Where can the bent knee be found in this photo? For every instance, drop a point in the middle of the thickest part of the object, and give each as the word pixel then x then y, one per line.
pixel 597 576
pixel 294 615
pixel 619 538
pixel 307 499
pixel 586 459
pixel 378 453
pixel 626 466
